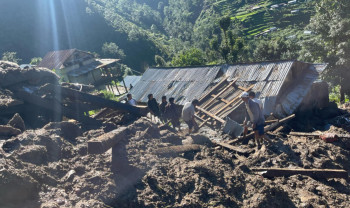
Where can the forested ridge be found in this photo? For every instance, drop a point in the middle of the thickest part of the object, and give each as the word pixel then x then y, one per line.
pixel 147 33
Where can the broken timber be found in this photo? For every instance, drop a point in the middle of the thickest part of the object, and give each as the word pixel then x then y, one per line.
pixel 106 141
pixel 233 148
pixel 317 134
pixel 174 150
pixel 95 100
pixel 316 173
pixel 274 125
pixel 266 129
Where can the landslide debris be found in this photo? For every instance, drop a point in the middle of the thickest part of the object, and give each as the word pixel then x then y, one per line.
pixel 49 166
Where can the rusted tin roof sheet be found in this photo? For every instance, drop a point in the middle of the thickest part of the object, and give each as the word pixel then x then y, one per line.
pixel 55 59
pixel 184 84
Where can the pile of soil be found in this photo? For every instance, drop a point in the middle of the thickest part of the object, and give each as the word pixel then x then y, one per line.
pixel 50 167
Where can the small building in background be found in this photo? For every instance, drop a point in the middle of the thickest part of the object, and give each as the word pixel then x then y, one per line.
pixel 78 66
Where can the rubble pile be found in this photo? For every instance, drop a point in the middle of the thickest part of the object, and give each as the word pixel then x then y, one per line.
pixel 50 166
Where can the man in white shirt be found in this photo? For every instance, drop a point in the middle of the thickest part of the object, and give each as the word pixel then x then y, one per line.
pixel 188 114
pixel 252 97
pixel 131 101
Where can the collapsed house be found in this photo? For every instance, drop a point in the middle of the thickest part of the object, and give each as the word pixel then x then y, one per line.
pixel 283 86
pixel 76 66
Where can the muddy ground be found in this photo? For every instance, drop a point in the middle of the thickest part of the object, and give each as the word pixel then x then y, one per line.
pixel 50 167
pixel 46 164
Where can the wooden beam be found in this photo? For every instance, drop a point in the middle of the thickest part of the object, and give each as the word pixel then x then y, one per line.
pixel 175 150
pixel 267 128
pixel 303 134
pixel 316 173
pixel 211 115
pixel 95 100
pixel 243 88
pixel 233 148
pixel 106 141
pixel 212 89
pixel 232 101
pixel 347 136
pixel 221 99
pixel 220 93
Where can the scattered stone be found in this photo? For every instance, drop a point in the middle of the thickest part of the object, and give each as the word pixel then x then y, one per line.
pixel 17 122
pixel 9 131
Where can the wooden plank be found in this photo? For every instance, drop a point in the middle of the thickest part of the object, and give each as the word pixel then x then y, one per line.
pixel 211 115
pixel 96 100
pixel 106 141
pixel 278 129
pixel 212 89
pixel 317 134
pixel 221 99
pixel 243 88
pixel 303 134
pixel 175 150
pixel 233 148
pixel 316 173
pixel 220 93
pixel 56 107
pixel 270 127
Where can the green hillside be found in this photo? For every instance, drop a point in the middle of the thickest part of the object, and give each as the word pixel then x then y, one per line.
pixel 176 26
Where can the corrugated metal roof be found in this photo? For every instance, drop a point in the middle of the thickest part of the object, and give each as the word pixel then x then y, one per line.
pixel 267 77
pixel 293 98
pixel 133 80
pixel 55 59
pixel 184 84
pixel 269 80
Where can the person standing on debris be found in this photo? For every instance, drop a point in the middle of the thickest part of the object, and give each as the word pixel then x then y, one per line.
pixel 253 98
pixel 162 109
pixel 172 113
pixel 256 118
pixel 131 101
pixel 153 105
pixel 188 115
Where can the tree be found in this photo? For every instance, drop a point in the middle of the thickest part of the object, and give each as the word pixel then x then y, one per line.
pixel 11 56
pixel 159 61
pixel 111 49
pixel 191 57
pixel 332 24
pixel 36 60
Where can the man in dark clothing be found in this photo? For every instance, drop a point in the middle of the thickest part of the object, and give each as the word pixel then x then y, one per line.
pixel 256 118
pixel 153 105
pixel 162 109
pixel 172 113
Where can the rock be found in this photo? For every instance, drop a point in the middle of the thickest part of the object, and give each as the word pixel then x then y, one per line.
pixel 68 130
pixel 17 122
pixel 11 74
pixel 9 131
pixel 196 139
pixel 35 154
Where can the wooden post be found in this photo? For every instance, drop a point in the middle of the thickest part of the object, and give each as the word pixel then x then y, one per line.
pixel 106 141
pixel 211 115
pixel 317 173
pixel 126 89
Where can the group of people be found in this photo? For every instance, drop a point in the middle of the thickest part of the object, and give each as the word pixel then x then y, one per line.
pixel 169 112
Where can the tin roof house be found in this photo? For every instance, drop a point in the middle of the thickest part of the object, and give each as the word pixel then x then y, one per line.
pixel 281 85
pixel 78 66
